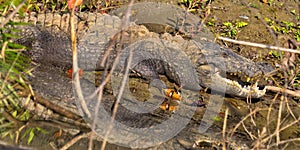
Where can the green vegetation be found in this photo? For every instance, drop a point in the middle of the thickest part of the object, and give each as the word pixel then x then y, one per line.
pixel 276 54
pixel 13 68
pixel 30 132
pixel 62 6
pixel 289 29
pixel 285 27
pixel 194 6
pixel 230 29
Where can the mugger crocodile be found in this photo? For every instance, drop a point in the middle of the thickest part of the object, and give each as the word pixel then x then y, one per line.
pixel 210 59
pixel 50 49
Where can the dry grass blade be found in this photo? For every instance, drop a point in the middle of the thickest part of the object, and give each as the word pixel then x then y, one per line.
pixel 101 87
pixel 10 69
pixel 126 19
pixel 224 129
pixel 11 15
pixel 278 122
pixel 2 54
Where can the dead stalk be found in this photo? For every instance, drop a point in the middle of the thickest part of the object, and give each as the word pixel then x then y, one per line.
pixel 250 109
pixel 224 129
pixel 107 78
pixel 258 45
pixel 9 71
pixel 289 108
pixel 2 54
pixel 284 141
pixel 246 117
pixel 281 129
pixel 248 132
pixel 269 113
pixel 75 65
pixel 74 140
pixel 278 122
pixel 283 90
pixel 122 84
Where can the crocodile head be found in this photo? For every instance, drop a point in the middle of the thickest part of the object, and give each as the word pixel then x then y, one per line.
pixel 233 83
pixel 220 68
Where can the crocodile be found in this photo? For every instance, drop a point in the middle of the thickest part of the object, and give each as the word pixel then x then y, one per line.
pixel 50 48
pixel 208 57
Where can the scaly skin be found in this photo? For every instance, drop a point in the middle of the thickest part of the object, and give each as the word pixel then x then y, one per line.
pixel 211 61
pixel 208 58
pixel 51 49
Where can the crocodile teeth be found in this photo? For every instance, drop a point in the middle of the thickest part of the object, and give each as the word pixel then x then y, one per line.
pixel 243 90
pixel 249 87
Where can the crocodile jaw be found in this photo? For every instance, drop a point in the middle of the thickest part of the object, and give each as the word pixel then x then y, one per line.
pixel 235 88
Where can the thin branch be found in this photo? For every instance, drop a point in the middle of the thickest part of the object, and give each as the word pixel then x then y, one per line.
pixel 74 140
pixel 224 129
pixel 107 78
pixel 278 122
pixel 281 129
pixel 269 114
pixel 47 103
pixel 283 142
pixel 101 87
pixel 10 118
pixel 57 109
pixel 282 90
pixel 248 132
pixel 246 117
pixel 118 100
pixel 258 45
pixel 75 66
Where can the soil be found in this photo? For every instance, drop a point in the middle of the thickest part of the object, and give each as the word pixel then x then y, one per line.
pixel 262 123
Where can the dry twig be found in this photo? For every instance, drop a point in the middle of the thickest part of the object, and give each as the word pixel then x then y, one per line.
pixel 282 90
pixel 74 140
pixel 258 45
pixel 75 65
pixel 122 84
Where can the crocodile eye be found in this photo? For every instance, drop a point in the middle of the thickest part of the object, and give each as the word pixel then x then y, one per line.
pixel 205 69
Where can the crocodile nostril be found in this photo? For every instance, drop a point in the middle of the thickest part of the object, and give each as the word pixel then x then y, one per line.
pixel 261 87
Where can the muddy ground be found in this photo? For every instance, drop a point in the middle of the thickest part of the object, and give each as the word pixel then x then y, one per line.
pixel 262 123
